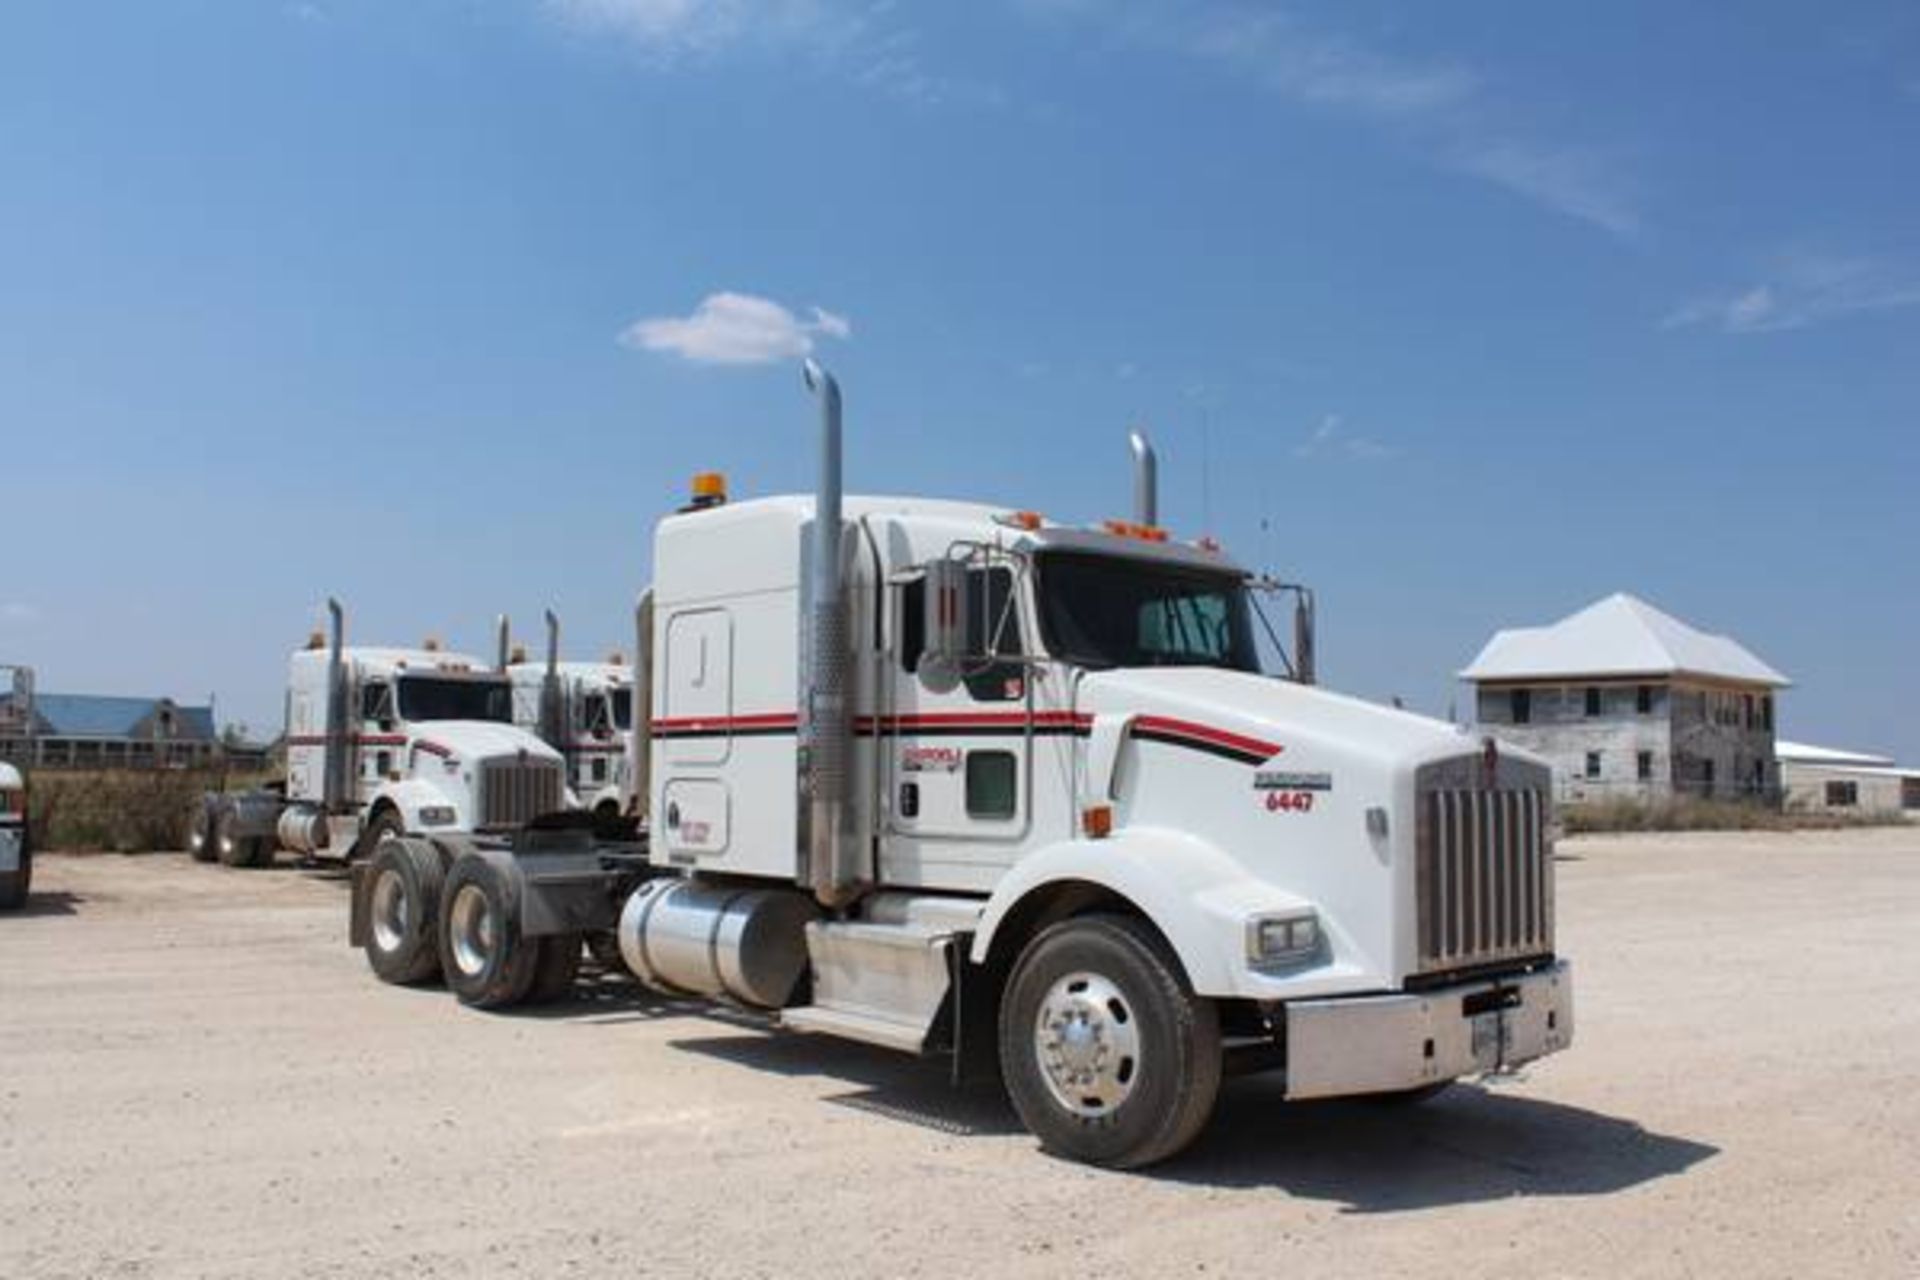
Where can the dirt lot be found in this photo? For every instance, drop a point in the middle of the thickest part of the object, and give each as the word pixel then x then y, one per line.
pixel 197 1078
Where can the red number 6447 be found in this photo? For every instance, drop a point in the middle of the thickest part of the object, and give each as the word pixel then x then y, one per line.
pixel 1289 801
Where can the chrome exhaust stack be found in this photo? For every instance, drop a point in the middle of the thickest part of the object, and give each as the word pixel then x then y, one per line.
pixel 1146 478
pixel 336 782
pixel 503 642
pixel 553 707
pixel 826 722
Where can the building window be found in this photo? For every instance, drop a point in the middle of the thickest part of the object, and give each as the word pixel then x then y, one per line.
pixel 1766 712
pixel 1593 764
pixel 1706 777
pixel 1593 700
pixel 1643 766
pixel 1843 795
pixel 1643 699
pixel 1748 709
pixel 1522 706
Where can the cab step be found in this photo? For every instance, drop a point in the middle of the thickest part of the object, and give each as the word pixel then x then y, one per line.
pixel 879 982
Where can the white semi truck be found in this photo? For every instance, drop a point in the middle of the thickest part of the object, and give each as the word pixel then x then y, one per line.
pixel 16 848
pixel 385 741
pixel 583 710
pixel 965 782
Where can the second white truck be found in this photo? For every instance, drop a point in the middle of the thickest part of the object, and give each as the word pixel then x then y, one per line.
pixel 583 710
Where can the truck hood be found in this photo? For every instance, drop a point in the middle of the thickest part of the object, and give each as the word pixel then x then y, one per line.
pixel 1262 711
pixel 483 740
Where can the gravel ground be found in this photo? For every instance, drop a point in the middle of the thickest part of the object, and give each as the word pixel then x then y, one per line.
pixel 198 1078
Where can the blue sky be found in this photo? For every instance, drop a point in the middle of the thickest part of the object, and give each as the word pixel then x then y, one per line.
pixel 1467 314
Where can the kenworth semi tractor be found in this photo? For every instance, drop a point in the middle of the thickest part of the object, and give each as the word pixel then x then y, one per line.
pixel 965 782
pixel 583 710
pixel 385 741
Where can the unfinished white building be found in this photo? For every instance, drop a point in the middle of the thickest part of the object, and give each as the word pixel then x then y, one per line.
pixel 1628 701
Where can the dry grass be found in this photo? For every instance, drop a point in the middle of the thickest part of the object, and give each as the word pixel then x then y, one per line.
pixel 1687 813
pixel 119 810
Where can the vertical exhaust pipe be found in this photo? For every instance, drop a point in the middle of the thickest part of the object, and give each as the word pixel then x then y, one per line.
pixel 553 707
pixel 826 726
pixel 1146 478
pixel 640 771
pixel 503 642
pixel 335 782
pixel 1303 627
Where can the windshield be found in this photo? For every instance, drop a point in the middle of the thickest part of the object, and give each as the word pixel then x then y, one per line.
pixel 1108 611
pixel 440 698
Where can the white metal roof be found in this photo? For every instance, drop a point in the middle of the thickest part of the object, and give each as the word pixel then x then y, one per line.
pixel 1806 753
pixel 1618 636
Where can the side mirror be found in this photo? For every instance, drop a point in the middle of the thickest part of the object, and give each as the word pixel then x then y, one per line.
pixel 943 660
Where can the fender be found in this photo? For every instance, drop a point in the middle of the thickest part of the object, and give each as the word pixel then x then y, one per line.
pixel 1197 896
pixel 411 795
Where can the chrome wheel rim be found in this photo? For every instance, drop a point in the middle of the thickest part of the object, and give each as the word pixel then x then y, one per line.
pixel 390 908
pixel 1087 1042
pixel 471 927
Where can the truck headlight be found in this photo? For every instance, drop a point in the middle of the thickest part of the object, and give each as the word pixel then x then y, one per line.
pixel 437 815
pixel 1277 941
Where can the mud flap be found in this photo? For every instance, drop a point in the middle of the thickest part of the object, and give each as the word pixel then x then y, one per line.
pixel 357 908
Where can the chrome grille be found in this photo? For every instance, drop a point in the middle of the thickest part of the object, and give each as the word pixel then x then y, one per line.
pixel 1485 875
pixel 513 793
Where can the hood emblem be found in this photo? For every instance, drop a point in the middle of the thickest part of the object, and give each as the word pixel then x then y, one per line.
pixel 1489 764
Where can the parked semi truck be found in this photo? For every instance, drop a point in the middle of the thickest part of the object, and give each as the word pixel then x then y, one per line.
pixel 962 781
pixel 583 710
pixel 16 848
pixel 385 741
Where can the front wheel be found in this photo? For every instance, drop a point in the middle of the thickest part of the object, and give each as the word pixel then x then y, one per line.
pixel 1107 1054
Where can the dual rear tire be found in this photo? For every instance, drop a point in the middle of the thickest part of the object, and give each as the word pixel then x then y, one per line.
pixel 213 835
pixel 462 924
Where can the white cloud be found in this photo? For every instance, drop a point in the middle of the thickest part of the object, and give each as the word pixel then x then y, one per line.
pixel 1437 105
pixel 1577 181
pixel 1331 439
pixel 736 328
pixel 1802 290
pixel 863 41
pixel 664 27
pixel 17 611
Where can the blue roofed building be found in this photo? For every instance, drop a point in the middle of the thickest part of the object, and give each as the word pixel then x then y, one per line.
pixel 89 730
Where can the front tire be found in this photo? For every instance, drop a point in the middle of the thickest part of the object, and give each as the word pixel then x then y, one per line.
pixel 484 958
pixel 403 887
pixel 387 822
pixel 1107 1054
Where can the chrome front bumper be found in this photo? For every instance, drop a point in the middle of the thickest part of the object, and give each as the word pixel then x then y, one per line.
pixel 1386 1043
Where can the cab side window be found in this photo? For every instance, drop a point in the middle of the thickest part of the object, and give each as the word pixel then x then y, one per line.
pixel 993 625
